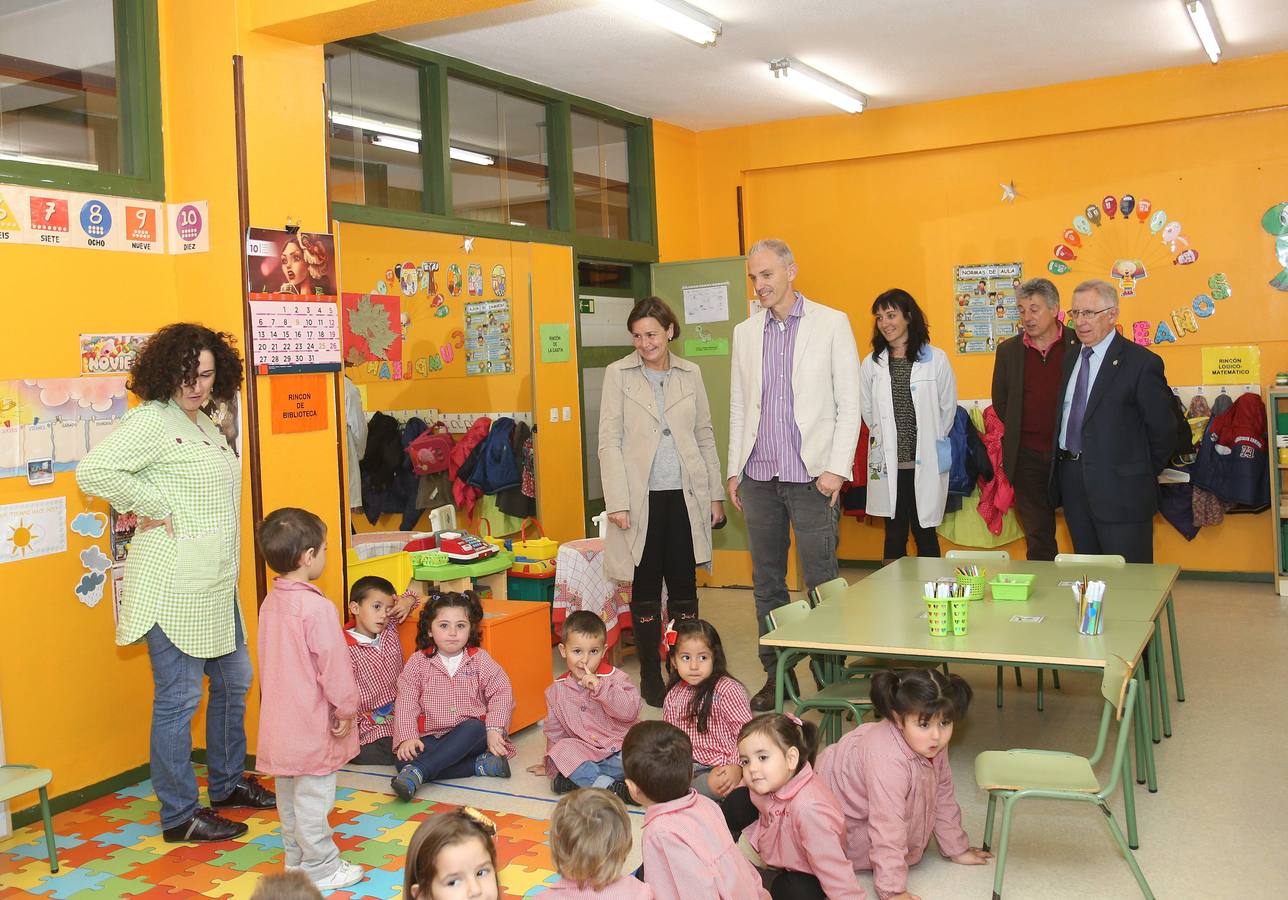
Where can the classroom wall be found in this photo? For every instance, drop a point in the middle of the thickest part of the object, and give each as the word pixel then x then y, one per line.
pixel 899 197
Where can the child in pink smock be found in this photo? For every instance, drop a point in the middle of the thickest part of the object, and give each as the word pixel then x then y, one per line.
pixel 590 838
pixel 688 851
pixel 894 782
pixel 309 698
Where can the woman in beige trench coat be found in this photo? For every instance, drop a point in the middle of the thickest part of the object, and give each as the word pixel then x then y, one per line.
pixel 662 484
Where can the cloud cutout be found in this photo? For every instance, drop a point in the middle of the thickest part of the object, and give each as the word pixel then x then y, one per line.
pixel 89 524
pixel 90 588
pixel 95 559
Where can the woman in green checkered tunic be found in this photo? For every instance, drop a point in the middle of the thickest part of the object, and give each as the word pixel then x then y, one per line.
pixel 169 463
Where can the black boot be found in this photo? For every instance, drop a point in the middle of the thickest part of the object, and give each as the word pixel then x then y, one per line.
pixel 648 635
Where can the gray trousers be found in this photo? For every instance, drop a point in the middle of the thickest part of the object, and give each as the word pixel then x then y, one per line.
pixel 771 508
pixel 304 803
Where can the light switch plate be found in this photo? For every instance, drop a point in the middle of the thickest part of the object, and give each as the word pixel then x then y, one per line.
pixel 554 414
pixel 567 413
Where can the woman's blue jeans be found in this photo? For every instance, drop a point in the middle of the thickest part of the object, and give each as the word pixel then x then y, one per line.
pixel 177 683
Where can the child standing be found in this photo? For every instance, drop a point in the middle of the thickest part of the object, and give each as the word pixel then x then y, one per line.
pixel 799 830
pixel 452 716
pixel 688 851
pixel 708 704
pixel 893 779
pixel 588 711
pixel 376 654
pixel 451 857
pixel 590 837
pixel 309 699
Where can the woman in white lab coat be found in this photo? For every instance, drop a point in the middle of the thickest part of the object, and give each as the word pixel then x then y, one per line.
pixel 909 398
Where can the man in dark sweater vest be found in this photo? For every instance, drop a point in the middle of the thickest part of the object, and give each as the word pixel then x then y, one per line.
pixel 1026 385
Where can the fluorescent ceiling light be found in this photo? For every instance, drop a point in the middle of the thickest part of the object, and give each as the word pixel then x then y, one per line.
pixel 687 21
pixel 469 156
pixel 348 121
pixel 824 87
pixel 396 143
pixel 1203 25
pixel 48 161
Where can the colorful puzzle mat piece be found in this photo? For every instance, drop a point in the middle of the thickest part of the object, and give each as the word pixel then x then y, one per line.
pixel 112 847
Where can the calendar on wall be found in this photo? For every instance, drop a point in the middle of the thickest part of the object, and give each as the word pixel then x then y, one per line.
pixel 294 334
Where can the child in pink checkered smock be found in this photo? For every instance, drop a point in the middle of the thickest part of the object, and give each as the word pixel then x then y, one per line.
pixel 452 715
pixel 371 634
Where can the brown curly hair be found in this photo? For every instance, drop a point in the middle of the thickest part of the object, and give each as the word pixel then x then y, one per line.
pixel 169 360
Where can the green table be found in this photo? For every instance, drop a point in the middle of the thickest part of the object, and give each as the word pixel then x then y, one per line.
pixel 458 576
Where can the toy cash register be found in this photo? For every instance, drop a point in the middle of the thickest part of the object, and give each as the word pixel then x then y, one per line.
pixel 458 545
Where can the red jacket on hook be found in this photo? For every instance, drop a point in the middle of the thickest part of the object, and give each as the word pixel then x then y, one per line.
pixel 996 496
pixel 464 495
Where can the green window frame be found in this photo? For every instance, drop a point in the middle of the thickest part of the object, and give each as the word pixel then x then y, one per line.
pixel 138 59
pixel 436 213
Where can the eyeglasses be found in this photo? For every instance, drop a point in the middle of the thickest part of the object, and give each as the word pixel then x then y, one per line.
pixel 1087 313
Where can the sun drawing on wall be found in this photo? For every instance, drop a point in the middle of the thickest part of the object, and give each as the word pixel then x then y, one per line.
pixel 22 537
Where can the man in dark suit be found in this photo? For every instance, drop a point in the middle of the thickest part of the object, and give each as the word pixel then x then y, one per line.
pixel 1114 432
pixel 1027 374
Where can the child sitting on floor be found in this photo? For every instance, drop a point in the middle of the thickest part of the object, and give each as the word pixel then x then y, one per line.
pixel 893 780
pixel 452 716
pixel 376 655
pixel 588 711
pixel 688 851
pixel 707 703
pixel 792 820
pixel 590 838
pixel 308 696
pixel 452 856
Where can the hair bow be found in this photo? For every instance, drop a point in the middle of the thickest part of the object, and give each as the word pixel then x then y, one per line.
pixel 670 633
pixel 794 719
pixel 479 819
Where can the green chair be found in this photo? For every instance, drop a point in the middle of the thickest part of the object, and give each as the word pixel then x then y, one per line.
pixel 1014 775
pixel 18 779
pixel 850 696
pixel 833 668
pixel 1005 556
pixel 1101 559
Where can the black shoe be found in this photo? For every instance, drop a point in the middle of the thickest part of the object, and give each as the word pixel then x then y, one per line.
pixel 763 701
pixel 250 794
pixel 563 784
pixel 621 790
pixel 652 685
pixel 206 827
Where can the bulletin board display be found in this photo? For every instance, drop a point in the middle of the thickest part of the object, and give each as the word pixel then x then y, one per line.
pixel 411 301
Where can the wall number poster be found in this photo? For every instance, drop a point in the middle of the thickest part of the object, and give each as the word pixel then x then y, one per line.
pixel 985 305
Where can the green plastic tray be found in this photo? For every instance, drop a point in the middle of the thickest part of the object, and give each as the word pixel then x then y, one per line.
pixel 1012 587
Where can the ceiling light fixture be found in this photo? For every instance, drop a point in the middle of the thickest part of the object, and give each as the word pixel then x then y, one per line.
pixel 48 161
pixel 396 143
pixel 687 21
pixel 1204 25
pixel 469 156
pixel 822 86
pixel 350 121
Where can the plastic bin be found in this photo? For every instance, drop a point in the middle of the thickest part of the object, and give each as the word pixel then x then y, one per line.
pixel 535 589
pixel 1012 587
pixel 381 553
pixel 975 583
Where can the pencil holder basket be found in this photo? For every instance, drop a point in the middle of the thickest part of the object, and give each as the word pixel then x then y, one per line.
pixel 959 612
pixel 975 583
pixel 937 615
pixel 1092 621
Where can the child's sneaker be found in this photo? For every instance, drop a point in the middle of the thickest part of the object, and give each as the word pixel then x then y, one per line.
pixel 345 876
pixel 563 784
pixel 492 765
pixel 407 782
pixel 621 790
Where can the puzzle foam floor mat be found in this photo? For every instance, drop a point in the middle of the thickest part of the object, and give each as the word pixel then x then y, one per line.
pixel 112 847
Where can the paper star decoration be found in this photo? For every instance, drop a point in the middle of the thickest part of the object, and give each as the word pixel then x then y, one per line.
pixel 469 245
pixel 1008 191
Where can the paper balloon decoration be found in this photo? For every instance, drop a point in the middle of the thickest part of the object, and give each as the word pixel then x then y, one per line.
pixel 1186 258
pixel 1157 221
pixel 1093 213
pixel 1063 252
pixel 1083 226
pixel 1055 267
pixel 1110 203
pixel 1142 209
pixel 1127 204
pixel 1172 236
pixel 1071 238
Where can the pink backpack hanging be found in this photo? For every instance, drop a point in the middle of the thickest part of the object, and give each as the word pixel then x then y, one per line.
pixel 430 451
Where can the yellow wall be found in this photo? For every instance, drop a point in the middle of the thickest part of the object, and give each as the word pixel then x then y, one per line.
pixel 898 197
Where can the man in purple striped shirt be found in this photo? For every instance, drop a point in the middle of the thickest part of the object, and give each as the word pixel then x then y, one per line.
pixel 793 427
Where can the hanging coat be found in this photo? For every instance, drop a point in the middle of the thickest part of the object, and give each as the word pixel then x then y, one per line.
pixel 464 495
pixel 995 495
pixel 934 399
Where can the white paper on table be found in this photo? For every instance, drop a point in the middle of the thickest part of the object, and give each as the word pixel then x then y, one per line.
pixel 706 303
pixel 1028 620
pixel 37 441
pixel 69 441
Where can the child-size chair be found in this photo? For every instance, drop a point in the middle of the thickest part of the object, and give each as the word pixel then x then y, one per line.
pixel 1014 775
pixel 847 696
pixel 1004 556
pixel 17 779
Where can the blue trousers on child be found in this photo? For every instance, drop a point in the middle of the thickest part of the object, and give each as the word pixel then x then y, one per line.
pixel 452 755
pixel 598 773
